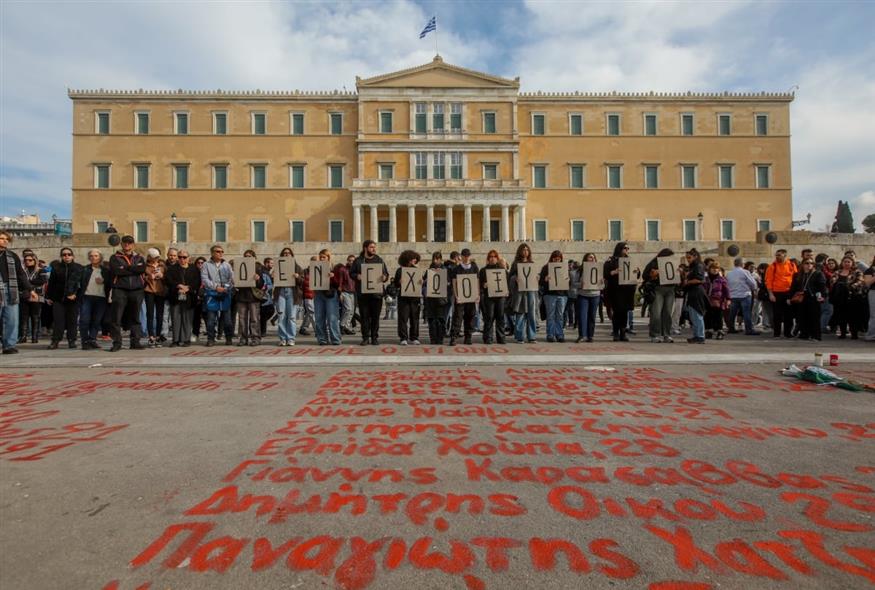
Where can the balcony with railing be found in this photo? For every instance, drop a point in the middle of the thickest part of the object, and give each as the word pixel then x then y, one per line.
pixel 434 183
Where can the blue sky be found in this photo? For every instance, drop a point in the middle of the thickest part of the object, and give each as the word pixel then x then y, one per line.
pixel 824 48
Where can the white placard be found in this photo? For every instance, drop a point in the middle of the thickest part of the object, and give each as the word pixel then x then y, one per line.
pixel 466 288
pixel 284 272
pixel 372 279
pixel 558 273
pixel 591 276
pixel 496 282
pixel 245 272
pixel 411 282
pixel 627 271
pixel 436 283
pixel 668 270
pixel 319 279
pixel 526 276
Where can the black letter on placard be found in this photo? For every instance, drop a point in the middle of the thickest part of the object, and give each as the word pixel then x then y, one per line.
pixel 669 271
pixel 593 275
pixel 498 289
pixel 556 270
pixel 317 271
pixel 466 286
pixel 409 281
pixel 435 283
pixel 527 270
pixel 244 272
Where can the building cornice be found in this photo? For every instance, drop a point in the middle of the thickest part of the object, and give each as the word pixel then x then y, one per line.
pixel 439 64
pixel 688 96
pixel 141 94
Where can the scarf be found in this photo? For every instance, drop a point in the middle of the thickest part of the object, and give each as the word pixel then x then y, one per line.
pixel 13 282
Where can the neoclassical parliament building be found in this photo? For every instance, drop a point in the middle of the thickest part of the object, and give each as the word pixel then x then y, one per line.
pixel 435 153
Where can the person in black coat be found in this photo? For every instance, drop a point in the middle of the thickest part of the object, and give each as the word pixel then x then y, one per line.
pixel 62 294
pixel 492 308
pixel 621 298
pixel 370 304
pixel 812 284
pixel 30 307
pixel 183 282
pixel 463 313
pixel 408 307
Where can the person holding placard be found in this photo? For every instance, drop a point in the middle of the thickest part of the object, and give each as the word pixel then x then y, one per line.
pixel 553 282
pixel 327 305
pixel 659 295
pixel 495 288
pixel 435 308
pixel 620 297
pixel 524 304
pixel 409 285
pixel 347 295
pixel 369 290
pixel 218 281
pixel 694 293
pixel 588 296
pixel 286 302
pixel 248 305
pixel 464 308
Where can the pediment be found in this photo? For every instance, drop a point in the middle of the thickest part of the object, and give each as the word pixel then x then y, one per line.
pixel 436 74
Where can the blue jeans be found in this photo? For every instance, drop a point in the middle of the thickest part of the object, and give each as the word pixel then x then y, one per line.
pixel 213 320
pixel 697 321
pixel 327 311
pixel 744 304
pixel 587 307
pixel 90 317
pixel 288 315
pixel 524 323
pixel 9 323
pixel 555 305
pixel 826 310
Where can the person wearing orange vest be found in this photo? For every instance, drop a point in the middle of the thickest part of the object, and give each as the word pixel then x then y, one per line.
pixel 779 277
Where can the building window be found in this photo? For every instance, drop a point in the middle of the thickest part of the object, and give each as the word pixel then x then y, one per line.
pixel 180 123
pixel 439 159
pixel 575 124
pixel 687 125
pixel 488 122
pixel 762 124
pixel 180 175
pixel 335 174
pixel 688 175
pixel 387 171
pixel 296 230
pixel 615 176
pixel 220 123
pixel 100 226
pixel 764 225
pixel 259 231
pixel 220 231
pixel 650 124
pixel 578 230
pixel 456 117
pixel 421 165
pixel 182 231
pixel 615 230
pixel 651 176
pixel 101 176
pixel 141 231
pixel 724 124
pixel 613 124
pixel 652 226
pixel 297 124
pixel 456 165
pixel 382 230
pixel 490 171
pixel 437 120
pixel 101 123
pixel 690 226
pixel 259 123
pixel 727 229
pixel 296 176
pixel 763 175
pixel 421 117
pixel 220 176
pixel 336 123
pixel 259 176
pixel 726 175
pixel 538 123
pixel 335 230
pixel 576 172
pixel 385 121
pixel 539 176
pixel 142 124
pixel 540 227
pixel 141 175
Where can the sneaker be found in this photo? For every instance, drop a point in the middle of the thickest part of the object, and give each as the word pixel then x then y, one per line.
pixel 403 343
pixel 632 332
pixel 589 339
pixel 290 343
pixel 452 341
pixel 550 339
pixel 415 342
pixel 719 336
pixel 53 346
pixel 116 346
pixel 668 339
pixel 375 342
pixel 210 343
pixel 11 350
pixel 656 340
pixel 365 342
pixel 695 340
pixel 137 346
pixel 754 333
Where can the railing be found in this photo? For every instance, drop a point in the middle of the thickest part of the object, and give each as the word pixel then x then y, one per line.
pixel 469 183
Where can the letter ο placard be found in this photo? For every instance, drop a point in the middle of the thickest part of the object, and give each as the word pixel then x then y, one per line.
pixel 244 272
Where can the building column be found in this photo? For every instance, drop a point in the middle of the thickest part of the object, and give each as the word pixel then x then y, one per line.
pixel 487 218
pixel 356 223
pixel 429 220
pixel 468 230
pixel 374 225
pixel 393 223
pixel 411 222
pixel 505 223
pixel 523 223
pixel 449 222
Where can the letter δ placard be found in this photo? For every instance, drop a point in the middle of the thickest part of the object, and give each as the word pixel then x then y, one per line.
pixel 284 272
pixel 244 272
pixel 411 282
pixel 627 272
pixel 372 279
pixel 591 276
pixel 668 270
pixel 319 279
pixel 466 289
pixel 496 282
pixel 436 283
pixel 526 277
pixel 558 273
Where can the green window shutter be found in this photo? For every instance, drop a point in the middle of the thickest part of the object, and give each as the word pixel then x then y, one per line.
pixel 420 122
pixel 182 124
pixel 456 121
pixel 541 231
pixel 650 125
pixel 258 233
pixel 297 231
pixel 614 179
pixel 577 177
pixel 577 231
pixel 297 177
pixel 456 172
pixel 103 123
pixel 385 122
pixel 689 230
pixel 221 174
pixel 220 228
pixel 689 176
pixel 336 231
pixel 725 176
pixel 537 124
pixel 762 177
pixel 576 125
pixel 539 174
pixel 615 230
pixel 651 177
pixel 490 172
pixel 652 230
pixel 613 124
pixel 762 125
pixel 221 123
pixel 259 174
pixel 103 177
pixel 438 122
pixel 259 124
pixel 142 231
pixel 142 177
pixel 337 177
pixel 182 177
pixel 143 123
pixel 298 124
pixel 336 124
pixel 687 124
pixel 181 231
pixel 724 125
pixel 727 229
pixel 489 123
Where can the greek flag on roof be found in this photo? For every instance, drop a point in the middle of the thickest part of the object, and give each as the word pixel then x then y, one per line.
pixel 431 26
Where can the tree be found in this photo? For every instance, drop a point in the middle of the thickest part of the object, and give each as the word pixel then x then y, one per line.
pixel 844 221
pixel 869 223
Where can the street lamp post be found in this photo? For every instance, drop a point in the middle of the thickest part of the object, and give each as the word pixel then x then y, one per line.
pixel 173 228
pixel 700 218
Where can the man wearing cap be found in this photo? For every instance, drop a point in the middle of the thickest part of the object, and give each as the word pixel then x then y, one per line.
pixel 127 269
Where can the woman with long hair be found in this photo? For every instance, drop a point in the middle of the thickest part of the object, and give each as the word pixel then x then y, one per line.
pixel 621 298
pixel 524 304
pixel 435 308
pixel 155 296
pixel 694 293
pixel 662 303
pixel 812 284
pixel 31 304
pixel 286 300
pixel 555 300
pixel 587 304
pixel 492 308
pixel 327 307
pixel 408 307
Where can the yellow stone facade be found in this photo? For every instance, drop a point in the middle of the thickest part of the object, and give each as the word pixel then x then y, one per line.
pixel 433 153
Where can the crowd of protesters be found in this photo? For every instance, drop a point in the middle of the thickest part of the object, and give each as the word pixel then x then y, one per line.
pixel 176 300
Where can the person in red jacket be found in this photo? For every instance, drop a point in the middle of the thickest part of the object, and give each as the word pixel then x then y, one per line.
pixel 779 278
